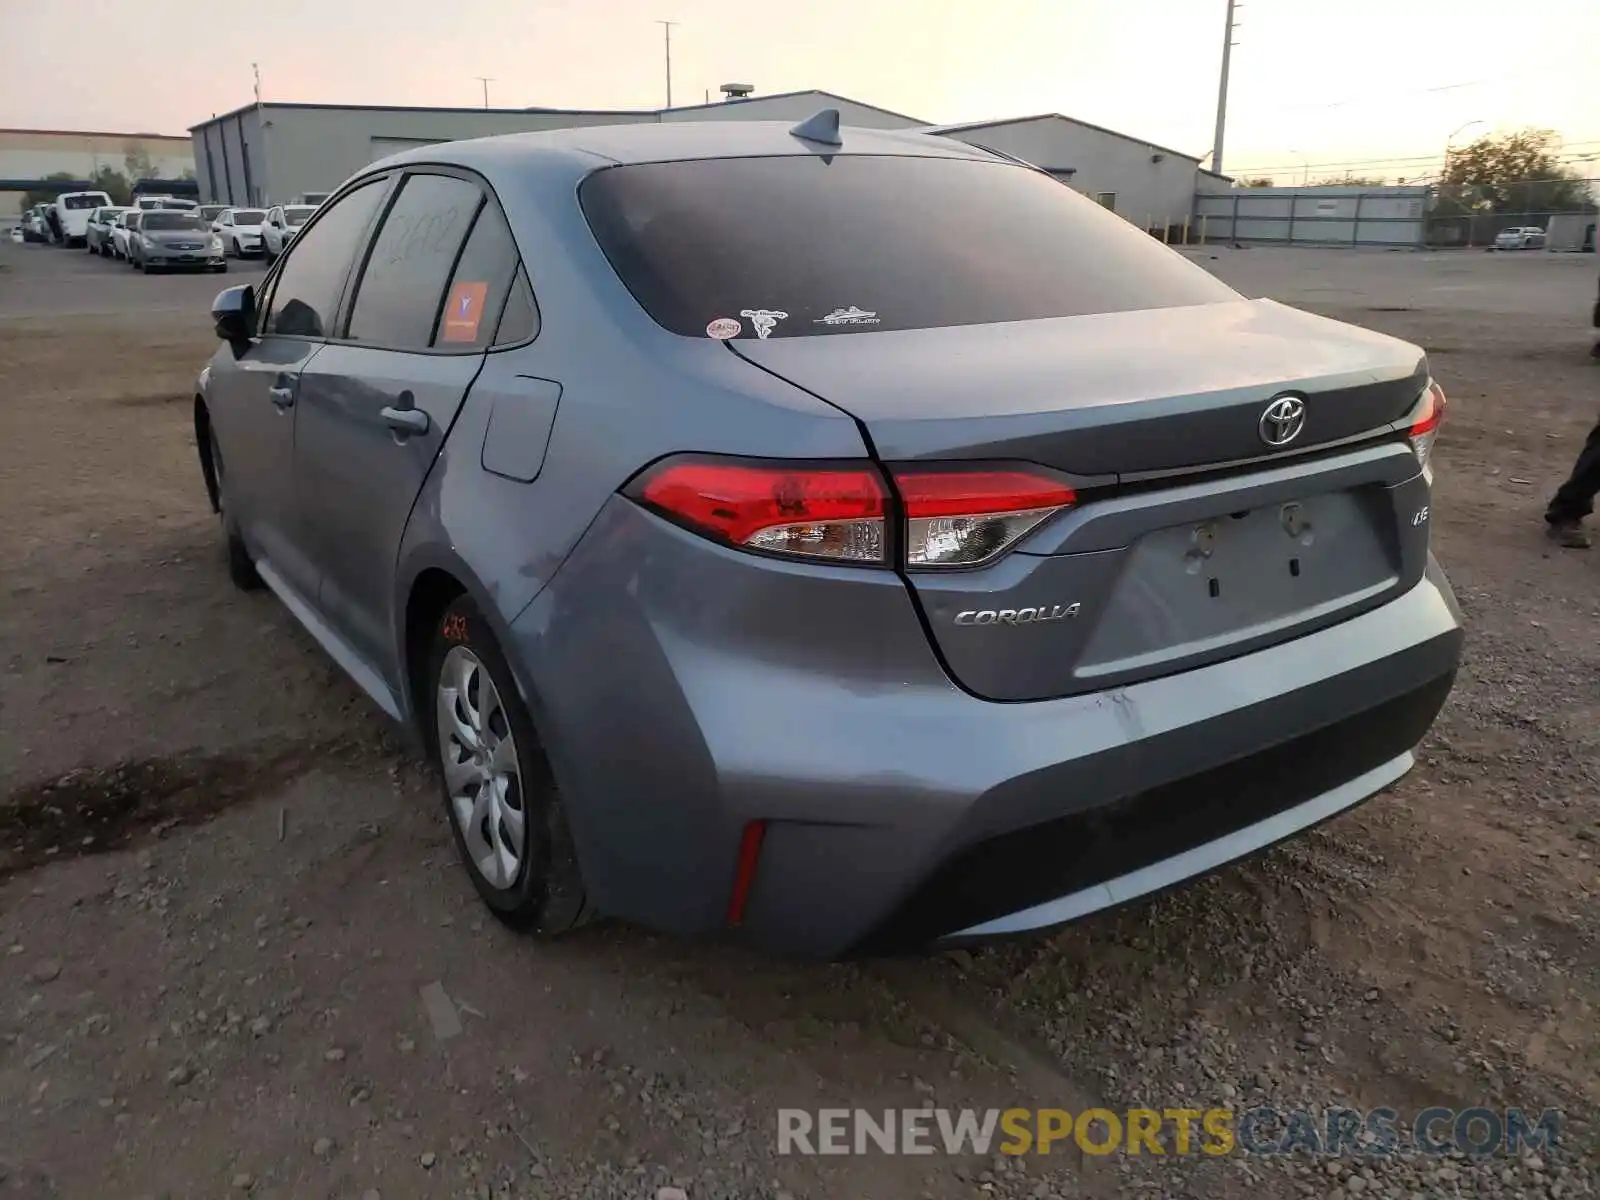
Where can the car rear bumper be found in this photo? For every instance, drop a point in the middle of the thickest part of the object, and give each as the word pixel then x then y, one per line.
pixel 688 690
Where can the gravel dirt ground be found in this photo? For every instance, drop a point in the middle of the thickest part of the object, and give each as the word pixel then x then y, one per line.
pixel 237 956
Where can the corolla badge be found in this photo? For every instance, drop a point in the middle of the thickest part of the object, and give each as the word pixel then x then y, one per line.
pixel 1031 615
pixel 1282 421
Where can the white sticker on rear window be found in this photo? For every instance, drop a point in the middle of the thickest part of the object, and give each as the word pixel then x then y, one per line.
pixel 764 319
pixel 848 316
pixel 724 328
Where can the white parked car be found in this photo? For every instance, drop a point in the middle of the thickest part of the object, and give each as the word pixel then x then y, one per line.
pixel 282 223
pixel 70 215
pixel 153 202
pixel 1523 237
pixel 125 228
pixel 98 237
pixel 240 230
pixel 33 227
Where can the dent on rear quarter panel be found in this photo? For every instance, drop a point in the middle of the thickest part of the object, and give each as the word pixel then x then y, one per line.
pixel 690 688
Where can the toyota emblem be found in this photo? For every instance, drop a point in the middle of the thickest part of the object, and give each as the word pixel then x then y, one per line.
pixel 1282 421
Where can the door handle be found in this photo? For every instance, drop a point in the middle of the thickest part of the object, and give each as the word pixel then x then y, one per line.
pixel 282 396
pixel 405 420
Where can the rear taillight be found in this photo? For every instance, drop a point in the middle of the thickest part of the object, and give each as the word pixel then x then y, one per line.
pixel 955 516
pixel 1425 422
pixel 960 518
pixel 819 511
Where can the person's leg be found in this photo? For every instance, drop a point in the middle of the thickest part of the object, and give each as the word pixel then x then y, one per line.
pixel 1575 499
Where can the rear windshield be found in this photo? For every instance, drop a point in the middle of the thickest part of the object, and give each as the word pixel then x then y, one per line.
pixel 805 245
pixel 248 216
pixel 73 203
pixel 164 219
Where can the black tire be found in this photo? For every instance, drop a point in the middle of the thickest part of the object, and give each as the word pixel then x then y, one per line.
pixel 241 570
pixel 235 247
pixel 548 896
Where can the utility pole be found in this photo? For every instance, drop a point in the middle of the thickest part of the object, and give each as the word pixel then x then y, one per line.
pixel 666 27
pixel 1222 90
pixel 261 124
pixel 486 80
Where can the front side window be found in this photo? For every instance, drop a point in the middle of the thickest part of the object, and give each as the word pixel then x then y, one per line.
pixel 397 300
pixel 313 274
pixel 804 245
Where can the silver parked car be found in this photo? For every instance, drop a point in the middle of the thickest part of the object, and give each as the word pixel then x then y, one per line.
pixel 849 539
pixel 168 239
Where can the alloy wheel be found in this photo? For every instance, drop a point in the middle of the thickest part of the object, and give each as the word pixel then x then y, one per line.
pixel 482 776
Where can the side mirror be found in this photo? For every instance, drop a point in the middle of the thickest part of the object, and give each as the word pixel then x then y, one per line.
pixel 233 313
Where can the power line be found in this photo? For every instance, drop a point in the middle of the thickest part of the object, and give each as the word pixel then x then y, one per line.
pixel 1378 97
pixel 1569 153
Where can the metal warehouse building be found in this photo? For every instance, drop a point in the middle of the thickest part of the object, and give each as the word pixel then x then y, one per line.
pixel 1150 185
pixel 272 152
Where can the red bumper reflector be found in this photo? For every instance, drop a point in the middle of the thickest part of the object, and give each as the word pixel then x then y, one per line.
pixel 745 875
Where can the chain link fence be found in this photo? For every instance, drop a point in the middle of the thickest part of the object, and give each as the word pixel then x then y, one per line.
pixel 1415 216
pixel 1473 215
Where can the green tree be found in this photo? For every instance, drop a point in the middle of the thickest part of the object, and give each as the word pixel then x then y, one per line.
pixel 1511 173
pixel 138 162
pixel 46 195
pixel 113 183
pixel 1349 180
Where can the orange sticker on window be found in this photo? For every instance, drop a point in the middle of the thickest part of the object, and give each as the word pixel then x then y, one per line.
pixel 464 312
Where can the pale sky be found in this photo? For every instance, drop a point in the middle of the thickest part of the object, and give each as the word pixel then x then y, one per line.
pixel 1312 82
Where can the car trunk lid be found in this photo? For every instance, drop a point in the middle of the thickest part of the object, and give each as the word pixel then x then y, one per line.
pixel 1110 394
pixel 1166 562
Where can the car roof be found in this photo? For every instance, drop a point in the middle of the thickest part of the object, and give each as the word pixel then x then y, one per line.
pixel 591 146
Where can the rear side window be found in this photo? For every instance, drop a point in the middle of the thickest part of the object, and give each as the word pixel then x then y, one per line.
pixel 397 300
pixel 318 262
pixel 479 285
pixel 520 320
pixel 804 245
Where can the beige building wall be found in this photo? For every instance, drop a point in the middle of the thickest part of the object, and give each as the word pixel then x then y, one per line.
pixel 37 153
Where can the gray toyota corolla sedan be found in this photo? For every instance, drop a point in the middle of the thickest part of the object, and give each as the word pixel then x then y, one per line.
pixel 852 539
